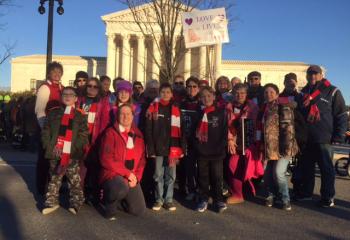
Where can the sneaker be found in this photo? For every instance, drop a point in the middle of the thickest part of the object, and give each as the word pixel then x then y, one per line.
pixel 48 210
pixel 202 206
pixel 73 210
pixel 170 206
pixel 327 202
pixel 287 206
pixel 269 202
pixel 157 206
pixel 220 206
pixel 234 200
pixel 225 192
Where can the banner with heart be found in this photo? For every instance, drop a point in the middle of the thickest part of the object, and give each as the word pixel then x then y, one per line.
pixel 205 27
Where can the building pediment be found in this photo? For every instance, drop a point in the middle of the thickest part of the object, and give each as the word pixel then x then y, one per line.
pixel 126 15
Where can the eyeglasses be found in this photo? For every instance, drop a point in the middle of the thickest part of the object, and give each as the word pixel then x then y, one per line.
pixel 93 86
pixel 179 83
pixel 192 86
pixel 68 95
pixel 81 80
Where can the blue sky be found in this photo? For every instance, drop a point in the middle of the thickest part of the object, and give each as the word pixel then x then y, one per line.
pixel 312 31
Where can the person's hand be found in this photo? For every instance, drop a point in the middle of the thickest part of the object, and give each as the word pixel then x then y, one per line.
pixel 132 180
pixel 182 155
pixel 57 152
pixel 151 156
pixel 232 147
pixel 347 133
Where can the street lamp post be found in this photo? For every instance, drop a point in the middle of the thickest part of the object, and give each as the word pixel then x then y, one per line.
pixel 60 11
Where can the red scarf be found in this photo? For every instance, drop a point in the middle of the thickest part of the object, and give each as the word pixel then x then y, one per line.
pixel 202 130
pixel 91 117
pixel 64 140
pixel 311 99
pixel 128 137
pixel 175 150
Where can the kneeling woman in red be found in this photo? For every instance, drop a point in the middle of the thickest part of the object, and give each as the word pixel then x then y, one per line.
pixel 122 157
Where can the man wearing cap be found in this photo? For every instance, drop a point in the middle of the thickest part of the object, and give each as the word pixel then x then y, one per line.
pixel 255 91
pixel 137 89
pixel 81 78
pixel 323 108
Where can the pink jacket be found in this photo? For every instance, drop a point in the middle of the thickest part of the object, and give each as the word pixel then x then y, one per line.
pixel 253 167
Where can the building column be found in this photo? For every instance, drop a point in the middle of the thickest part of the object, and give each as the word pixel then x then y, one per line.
pixel 156 58
pixel 111 55
pixel 126 57
pixel 117 61
pixel 203 62
pixel 218 60
pixel 187 63
pixel 141 63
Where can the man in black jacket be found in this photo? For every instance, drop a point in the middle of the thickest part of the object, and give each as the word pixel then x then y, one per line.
pixel 324 109
pixel 255 91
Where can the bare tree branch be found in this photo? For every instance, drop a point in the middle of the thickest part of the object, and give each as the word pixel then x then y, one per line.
pixel 8 48
pixel 8 52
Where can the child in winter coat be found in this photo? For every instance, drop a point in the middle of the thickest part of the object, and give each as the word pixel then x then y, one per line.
pixel 166 143
pixel 64 136
pixel 211 144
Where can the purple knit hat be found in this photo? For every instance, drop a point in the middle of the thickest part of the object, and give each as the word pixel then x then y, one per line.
pixel 124 85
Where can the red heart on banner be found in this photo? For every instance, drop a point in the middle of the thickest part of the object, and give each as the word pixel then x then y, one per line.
pixel 188 21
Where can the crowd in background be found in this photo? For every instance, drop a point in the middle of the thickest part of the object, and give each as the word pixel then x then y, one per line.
pixel 128 147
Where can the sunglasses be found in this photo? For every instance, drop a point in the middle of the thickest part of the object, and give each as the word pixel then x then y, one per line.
pixel 192 86
pixel 178 83
pixel 68 95
pixel 93 86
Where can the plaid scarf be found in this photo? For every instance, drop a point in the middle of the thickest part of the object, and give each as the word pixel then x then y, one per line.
pixel 202 130
pixel 64 140
pixel 175 150
pixel 311 99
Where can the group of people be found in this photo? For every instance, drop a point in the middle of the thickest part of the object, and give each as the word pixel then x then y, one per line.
pixel 18 123
pixel 119 148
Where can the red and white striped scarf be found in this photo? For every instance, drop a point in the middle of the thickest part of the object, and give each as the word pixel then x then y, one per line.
pixel 175 144
pixel 311 99
pixel 64 140
pixel 202 130
pixel 91 117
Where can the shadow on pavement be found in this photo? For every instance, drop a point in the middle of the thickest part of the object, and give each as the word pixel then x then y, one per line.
pixel 9 224
pixel 25 166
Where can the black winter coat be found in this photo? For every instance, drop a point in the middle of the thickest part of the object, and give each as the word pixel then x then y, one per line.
pixel 333 123
pixel 216 147
pixel 158 133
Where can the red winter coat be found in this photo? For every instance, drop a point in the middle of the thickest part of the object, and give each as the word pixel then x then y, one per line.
pixel 113 151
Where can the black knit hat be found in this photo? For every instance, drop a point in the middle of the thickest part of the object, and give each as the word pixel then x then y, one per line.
pixel 254 74
pixel 290 76
pixel 81 74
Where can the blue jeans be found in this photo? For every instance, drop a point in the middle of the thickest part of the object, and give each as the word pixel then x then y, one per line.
pixel 276 180
pixel 164 177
